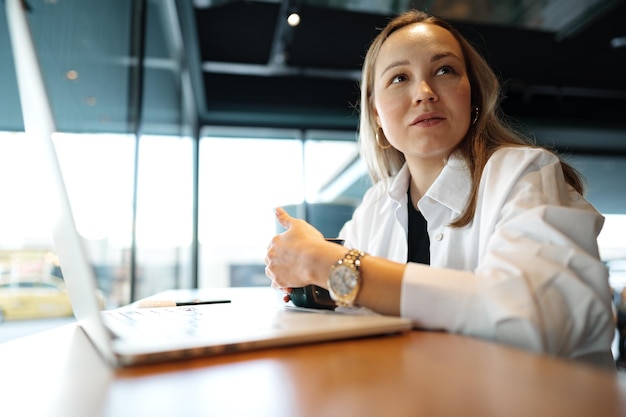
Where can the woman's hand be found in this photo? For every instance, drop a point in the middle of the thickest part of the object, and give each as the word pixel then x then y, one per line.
pixel 299 256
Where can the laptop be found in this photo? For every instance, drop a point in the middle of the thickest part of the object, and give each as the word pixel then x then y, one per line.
pixel 252 319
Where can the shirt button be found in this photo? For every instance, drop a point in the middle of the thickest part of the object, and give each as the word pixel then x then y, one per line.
pixel 438 236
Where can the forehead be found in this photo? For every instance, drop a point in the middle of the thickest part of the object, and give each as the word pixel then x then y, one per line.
pixel 416 41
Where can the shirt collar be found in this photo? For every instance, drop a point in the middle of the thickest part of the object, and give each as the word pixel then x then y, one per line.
pixel 400 184
pixel 451 188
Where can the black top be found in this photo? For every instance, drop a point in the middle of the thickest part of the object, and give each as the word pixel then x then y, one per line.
pixel 419 243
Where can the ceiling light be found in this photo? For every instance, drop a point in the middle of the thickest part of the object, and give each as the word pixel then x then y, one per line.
pixel 293 19
pixel 618 42
pixel 71 75
pixel 202 4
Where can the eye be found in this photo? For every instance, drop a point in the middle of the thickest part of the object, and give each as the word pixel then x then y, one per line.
pixel 398 78
pixel 446 69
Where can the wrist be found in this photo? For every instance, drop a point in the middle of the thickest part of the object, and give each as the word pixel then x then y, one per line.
pixel 344 279
pixel 327 258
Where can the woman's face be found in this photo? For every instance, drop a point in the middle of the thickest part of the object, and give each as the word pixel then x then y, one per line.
pixel 422 92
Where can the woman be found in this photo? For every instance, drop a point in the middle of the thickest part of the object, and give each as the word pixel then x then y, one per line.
pixel 468 228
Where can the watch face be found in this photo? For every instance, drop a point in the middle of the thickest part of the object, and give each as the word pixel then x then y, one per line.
pixel 343 280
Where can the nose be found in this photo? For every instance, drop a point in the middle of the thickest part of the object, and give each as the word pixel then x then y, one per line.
pixel 425 93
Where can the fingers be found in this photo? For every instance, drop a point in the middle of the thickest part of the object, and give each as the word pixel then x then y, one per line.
pixel 285 291
pixel 283 217
pixel 269 272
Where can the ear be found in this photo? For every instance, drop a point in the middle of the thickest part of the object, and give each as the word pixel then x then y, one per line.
pixel 375 113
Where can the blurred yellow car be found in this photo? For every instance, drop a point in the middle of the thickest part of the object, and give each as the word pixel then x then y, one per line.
pixel 29 298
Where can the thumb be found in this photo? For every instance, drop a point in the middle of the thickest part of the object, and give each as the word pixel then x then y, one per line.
pixel 283 217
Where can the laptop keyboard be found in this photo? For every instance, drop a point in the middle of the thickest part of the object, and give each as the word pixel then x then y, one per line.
pixel 175 315
pixel 167 322
pixel 175 322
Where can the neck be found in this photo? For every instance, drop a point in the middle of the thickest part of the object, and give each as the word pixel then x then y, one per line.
pixel 423 174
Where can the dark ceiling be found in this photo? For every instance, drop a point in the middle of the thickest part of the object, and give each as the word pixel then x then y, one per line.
pixel 555 58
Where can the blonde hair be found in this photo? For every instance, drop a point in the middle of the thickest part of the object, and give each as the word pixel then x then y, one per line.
pixel 488 133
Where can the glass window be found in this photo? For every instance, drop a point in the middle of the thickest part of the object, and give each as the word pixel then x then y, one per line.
pixel 97 169
pixel 613 249
pixel 242 180
pixel 98 172
pixel 324 162
pixel 23 219
pixel 164 214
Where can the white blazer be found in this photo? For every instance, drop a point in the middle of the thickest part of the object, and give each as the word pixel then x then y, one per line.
pixel 525 272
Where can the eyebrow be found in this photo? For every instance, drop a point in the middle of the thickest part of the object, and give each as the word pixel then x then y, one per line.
pixel 393 65
pixel 434 58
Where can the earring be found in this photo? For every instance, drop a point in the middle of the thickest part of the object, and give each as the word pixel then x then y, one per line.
pixel 380 129
pixel 475 110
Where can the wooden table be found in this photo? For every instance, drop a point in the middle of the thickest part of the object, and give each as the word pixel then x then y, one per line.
pixel 58 373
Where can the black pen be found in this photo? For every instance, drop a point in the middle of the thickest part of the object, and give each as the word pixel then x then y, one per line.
pixel 172 303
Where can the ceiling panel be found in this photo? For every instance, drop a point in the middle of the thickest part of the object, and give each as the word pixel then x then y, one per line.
pixel 554 58
pixel 93 40
pixel 237 32
pixel 334 39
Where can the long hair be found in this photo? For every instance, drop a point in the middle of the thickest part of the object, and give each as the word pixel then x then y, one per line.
pixel 488 133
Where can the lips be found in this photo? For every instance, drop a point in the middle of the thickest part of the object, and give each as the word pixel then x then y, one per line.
pixel 427 118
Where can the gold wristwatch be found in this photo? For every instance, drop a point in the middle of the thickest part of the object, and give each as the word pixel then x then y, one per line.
pixel 344 281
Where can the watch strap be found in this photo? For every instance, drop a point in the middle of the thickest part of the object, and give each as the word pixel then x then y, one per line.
pixel 352 260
